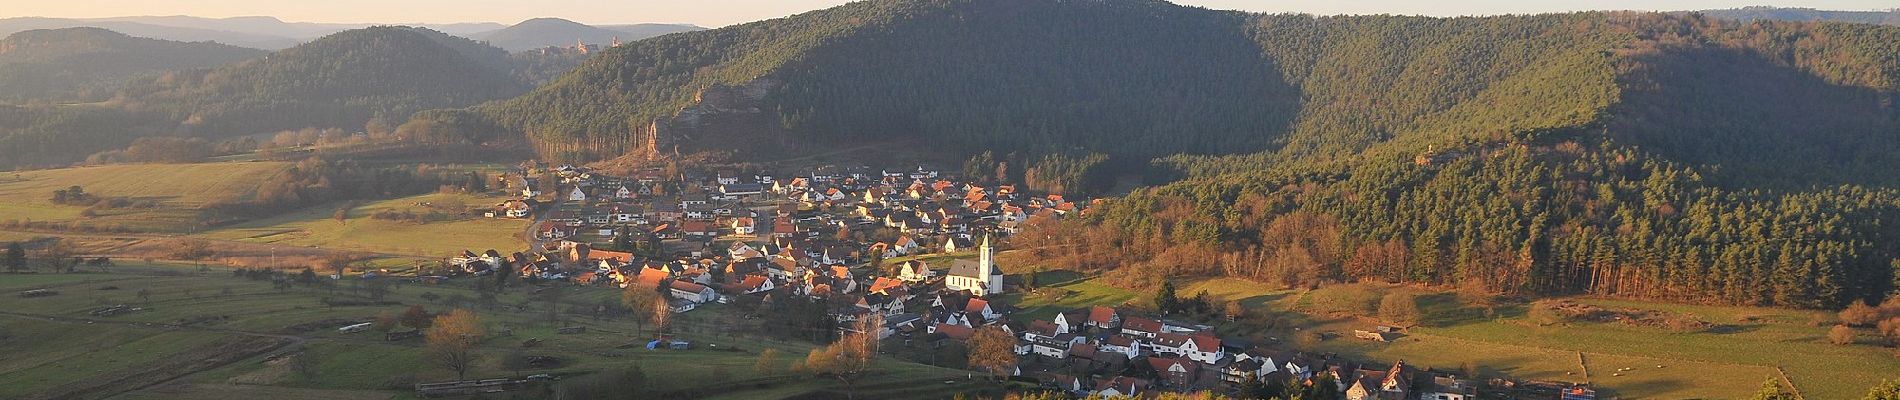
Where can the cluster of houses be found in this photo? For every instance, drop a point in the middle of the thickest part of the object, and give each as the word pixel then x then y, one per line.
pixel 1109 352
pixel 781 241
pixel 780 234
pixel 925 209
pixel 778 268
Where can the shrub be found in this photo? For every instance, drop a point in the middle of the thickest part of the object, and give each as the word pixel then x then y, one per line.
pixel 1840 335
pixel 1860 314
pixel 1891 329
pixel 1399 308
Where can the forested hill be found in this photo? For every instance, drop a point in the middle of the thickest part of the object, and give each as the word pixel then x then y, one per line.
pixel 1891 17
pixel 339 80
pixel 90 63
pixel 1137 77
pixel 1628 154
pixel 1693 160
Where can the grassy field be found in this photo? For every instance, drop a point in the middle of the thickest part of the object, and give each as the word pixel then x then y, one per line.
pixel 179 190
pixel 1758 337
pixel 1627 360
pixel 51 341
pixel 317 227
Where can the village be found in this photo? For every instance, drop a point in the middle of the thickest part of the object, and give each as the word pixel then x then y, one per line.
pixel 857 241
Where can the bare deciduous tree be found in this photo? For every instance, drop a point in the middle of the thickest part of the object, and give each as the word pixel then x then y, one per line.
pixel 451 341
pixel 993 350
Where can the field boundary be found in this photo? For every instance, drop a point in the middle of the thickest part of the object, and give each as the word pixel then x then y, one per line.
pixel 1783 375
pixel 1585 366
pixel 1586 369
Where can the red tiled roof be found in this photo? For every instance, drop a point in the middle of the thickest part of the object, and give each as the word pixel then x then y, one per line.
pixel 882 284
pixel 698 226
pixel 1141 324
pixel 1205 343
pixel 687 286
pixel 650 278
pixel 753 282
pixel 609 255
pixel 958 332
pixel 1101 315
pixel 1084 350
pixel 976 306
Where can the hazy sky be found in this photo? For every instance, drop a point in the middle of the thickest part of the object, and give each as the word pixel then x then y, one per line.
pixel 714 13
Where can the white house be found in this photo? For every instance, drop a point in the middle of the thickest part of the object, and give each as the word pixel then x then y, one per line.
pixel 979 308
pixel 1202 348
pixel 744 226
pixel 680 306
pixel 1121 344
pixel 1050 340
pixel 914 271
pixel 905 246
pixel 1449 388
pixel 693 292
pixel 756 284
pixel 577 194
pixel 1118 386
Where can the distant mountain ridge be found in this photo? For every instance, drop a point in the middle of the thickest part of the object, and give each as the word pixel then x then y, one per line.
pixel 270 33
pixel 1107 76
pixel 543 32
pixel 90 63
pixel 1891 17
pixel 183 34
pixel 339 80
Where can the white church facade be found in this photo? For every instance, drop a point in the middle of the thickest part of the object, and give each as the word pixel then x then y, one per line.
pixel 980 278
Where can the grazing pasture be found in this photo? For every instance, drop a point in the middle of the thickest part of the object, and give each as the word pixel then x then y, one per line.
pixel 292 349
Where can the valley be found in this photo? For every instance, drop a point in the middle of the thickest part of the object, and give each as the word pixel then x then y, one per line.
pixel 951 199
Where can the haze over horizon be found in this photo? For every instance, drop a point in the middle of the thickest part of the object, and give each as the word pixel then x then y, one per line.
pixel 717 13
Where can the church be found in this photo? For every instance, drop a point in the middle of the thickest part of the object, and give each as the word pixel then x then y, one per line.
pixel 981 278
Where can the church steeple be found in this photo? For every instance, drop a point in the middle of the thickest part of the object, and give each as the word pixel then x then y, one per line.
pixel 991 277
pixel 985 255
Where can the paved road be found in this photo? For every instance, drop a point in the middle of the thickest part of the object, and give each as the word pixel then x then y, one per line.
pixel 527 234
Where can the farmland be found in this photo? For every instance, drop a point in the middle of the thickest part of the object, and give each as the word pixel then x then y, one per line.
pixel 1625 360
pixel 361 231
pixel 51 341
pixel 179 192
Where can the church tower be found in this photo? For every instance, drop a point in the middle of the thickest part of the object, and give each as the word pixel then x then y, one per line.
pixel 986 268
pixel 984 258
